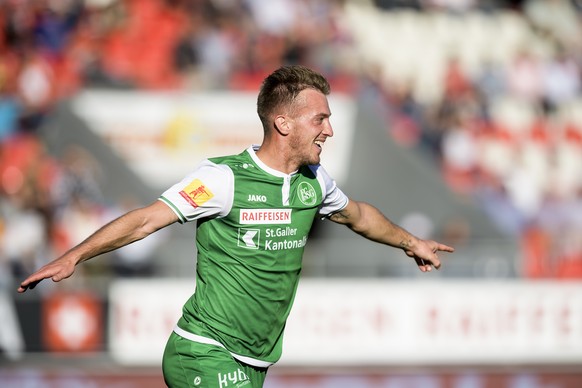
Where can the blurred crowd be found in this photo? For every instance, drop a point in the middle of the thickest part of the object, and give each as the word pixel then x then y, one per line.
pixel 509 132
pixel 51 49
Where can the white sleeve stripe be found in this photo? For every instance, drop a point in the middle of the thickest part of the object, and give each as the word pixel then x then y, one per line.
pixel 230 199
pixel 181 217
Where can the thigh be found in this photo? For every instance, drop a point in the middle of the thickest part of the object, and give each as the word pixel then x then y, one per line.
pixel 192 364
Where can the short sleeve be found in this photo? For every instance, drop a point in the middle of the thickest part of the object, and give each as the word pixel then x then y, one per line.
pixel 334 199
pixel 206 192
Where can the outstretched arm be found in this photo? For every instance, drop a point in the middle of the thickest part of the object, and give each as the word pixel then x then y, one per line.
pixel 130 227
pixel 370 223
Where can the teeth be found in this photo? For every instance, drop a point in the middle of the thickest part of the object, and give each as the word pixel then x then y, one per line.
pixel 319 143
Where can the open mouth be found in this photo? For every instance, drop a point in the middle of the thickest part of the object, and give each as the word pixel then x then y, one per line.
pixel 319 144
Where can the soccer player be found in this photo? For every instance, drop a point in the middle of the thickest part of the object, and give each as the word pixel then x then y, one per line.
pixel 253 211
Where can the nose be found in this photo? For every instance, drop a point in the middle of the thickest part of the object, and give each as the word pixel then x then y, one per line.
pixel 328 130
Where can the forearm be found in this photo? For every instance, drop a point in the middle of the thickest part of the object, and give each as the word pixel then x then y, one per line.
pixel 116 234
pixel 374 226
pixel 124 230
pixel 370 223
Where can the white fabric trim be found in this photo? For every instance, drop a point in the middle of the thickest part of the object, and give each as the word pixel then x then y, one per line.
pixel 286 187
pixel 252 151
pixel 218 178
pixel 209 341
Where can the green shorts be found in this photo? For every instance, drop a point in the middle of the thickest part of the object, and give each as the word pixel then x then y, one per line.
pixel 192 364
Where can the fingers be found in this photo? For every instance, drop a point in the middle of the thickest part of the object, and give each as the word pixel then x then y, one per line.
pixel 51 271
pixel 444 248
pixel 436 262
pixel 27 285
pixel 425 265
pixel 426 258
pixel 32 281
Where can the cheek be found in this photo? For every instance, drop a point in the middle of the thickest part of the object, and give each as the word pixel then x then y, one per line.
pixel 295 141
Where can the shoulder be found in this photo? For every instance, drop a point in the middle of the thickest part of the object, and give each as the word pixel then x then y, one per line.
pixel 230 160
pixel 320 173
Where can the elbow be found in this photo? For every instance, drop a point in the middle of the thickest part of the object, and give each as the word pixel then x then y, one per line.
pixel 359 228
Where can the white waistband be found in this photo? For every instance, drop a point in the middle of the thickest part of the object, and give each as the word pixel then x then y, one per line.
pixel 209 341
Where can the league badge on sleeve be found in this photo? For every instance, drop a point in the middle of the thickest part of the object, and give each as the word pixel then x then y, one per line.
pixel 196 193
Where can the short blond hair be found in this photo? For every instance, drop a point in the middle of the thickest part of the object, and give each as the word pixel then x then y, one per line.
pixel 282 87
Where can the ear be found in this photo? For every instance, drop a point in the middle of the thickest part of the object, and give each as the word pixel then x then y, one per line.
pixel 282 125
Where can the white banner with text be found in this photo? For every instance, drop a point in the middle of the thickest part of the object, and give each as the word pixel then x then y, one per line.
pixel 380 322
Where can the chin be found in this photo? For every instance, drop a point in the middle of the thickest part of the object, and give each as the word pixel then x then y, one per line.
pixel 315 160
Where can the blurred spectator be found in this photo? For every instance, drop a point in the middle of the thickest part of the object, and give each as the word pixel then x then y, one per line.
pixel 491 80
pixel 561 79
pixel 209 47
pixel 54 22
pixel 9 114
pixel 524 76
pixel 275 17
pixel 459 152
pixel 24 237
pixel 404 114
pixel 79 178
pixel 492 196
pixel 35 88
pixel 456 82
pixel 10 105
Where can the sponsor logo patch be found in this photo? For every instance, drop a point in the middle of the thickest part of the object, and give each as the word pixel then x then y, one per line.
pixel 236 378
pixel 265 216
pixel 249 238
pixel 196 193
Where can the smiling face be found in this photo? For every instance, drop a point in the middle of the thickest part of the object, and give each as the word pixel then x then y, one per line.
pixel 309 127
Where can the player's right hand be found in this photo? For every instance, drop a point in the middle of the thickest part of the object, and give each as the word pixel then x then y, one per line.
pixel 56 270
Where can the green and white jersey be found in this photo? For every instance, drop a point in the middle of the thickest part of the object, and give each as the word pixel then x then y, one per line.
pixel 252 227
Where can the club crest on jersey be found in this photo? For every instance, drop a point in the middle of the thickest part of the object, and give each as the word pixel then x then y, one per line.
pixel 306 194
pixel 196 193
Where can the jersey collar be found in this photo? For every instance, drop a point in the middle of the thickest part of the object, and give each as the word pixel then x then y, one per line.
pixel 252 151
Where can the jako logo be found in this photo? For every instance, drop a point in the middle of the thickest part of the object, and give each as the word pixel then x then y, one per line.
pixel 257 198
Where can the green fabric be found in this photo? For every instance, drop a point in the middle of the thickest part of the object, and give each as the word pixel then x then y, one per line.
pixel 248 271
pixel 188 364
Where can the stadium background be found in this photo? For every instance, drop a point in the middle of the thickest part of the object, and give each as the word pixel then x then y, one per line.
pixel 461 120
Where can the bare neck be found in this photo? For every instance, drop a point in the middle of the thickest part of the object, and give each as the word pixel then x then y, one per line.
pixel 275 155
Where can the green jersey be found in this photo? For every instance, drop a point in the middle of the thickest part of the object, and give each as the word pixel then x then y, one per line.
pixel 252 227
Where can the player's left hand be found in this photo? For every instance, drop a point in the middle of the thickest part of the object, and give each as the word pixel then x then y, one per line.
pixel 425 254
